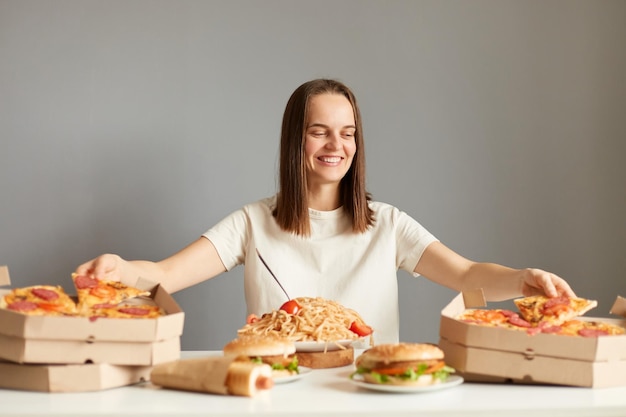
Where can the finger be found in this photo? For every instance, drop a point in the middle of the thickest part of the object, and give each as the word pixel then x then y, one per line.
pixel 105 267
pixel 548 285
pixel 101 270
pixel 84 269
pixel 563 288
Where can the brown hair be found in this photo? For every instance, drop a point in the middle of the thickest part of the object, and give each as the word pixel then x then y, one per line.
pixel 291 212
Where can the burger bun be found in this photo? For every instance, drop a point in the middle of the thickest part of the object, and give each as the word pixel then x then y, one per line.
pixel 254 346
pixel 273 351
pixel 386 354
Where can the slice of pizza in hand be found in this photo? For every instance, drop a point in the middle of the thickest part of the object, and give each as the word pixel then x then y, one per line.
pixel 92 292
pixel 557 310
pixel 39 300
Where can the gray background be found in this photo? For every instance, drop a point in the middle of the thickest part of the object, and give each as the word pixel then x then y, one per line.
pixel 133 126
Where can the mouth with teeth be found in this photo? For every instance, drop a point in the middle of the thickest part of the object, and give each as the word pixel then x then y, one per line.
pixel 330 159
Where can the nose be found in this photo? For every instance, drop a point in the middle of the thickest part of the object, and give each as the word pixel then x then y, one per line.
pixel 334 140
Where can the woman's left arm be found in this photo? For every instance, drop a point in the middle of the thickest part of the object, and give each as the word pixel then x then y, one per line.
pixel 442 265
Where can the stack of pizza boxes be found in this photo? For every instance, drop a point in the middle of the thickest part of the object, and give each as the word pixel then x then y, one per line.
pixel 496 354
pixel 70 354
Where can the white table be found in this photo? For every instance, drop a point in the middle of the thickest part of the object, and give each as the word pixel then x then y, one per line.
pixel 324 392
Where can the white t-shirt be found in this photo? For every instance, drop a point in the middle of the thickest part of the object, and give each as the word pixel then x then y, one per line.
pixel 357 270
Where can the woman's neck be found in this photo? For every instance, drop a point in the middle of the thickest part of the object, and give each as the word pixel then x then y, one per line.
pixel 324 198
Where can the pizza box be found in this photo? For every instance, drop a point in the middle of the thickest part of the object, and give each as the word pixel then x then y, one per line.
pixel 78 340
pixel 102 329
pixel 70 378
pixel 38 351
pixel 492 354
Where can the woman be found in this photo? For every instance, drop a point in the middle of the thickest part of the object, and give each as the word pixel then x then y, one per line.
pixel 322 235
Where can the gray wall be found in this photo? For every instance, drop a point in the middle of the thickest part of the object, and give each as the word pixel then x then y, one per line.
pixel 133 126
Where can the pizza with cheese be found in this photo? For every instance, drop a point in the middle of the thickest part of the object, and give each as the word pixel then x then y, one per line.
pixel 494 318
pixel 127 311
pixel 556 310
pixel 95 298
pixel 540 314
pixel 92 292
pixel 591 328
pixel 39 300
pixel 576 327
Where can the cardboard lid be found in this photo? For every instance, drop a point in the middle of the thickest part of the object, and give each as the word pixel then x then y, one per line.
pixel 141 283
pixel 4 275
pixel 619 307
pixel 474 298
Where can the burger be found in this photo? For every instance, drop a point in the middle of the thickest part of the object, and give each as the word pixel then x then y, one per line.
pixel 277 352
pixel 403 364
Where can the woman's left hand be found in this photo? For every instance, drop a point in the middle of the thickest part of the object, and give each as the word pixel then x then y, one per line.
pixel 539 282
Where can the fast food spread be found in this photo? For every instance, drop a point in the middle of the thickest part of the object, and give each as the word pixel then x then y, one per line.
pixel 408 364
pixel 309 319
pixel 95 298
pixel 541 314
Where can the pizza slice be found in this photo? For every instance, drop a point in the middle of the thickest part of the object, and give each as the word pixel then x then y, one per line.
pixel 494 318
pixel 92 292
pixel 593 328
pixel 39 300
pixel 141 311
pixel 557 310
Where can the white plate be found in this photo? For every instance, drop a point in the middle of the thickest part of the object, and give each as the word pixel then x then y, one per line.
pixel 304 371
pixel 320 346
pixel 453 380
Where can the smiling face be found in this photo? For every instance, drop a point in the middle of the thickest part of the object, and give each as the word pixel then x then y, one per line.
pixel 329 139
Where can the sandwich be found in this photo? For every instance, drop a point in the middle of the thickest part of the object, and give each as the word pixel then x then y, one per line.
pixel 278 353
pixel 403 364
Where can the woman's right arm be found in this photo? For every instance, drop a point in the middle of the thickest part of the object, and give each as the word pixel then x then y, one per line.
pixel 195 263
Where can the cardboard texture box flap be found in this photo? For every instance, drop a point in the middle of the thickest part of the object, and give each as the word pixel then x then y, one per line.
pixel 4 276
pixel 70 378
pixel 619 307
pixel 101 329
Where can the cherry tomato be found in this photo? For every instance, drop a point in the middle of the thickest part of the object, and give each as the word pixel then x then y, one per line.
pixel 361 329
pixel 291 307
pixel 252 318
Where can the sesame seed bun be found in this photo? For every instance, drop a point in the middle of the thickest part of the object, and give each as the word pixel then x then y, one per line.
pixel 277 352
pixel 386 354
pixel 260 346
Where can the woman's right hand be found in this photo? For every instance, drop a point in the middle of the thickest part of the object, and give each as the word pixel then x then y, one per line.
pixel 107 266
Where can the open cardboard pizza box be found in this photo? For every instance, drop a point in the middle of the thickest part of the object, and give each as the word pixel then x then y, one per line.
pixel 70 378
pixel 492 354
pixel 49 339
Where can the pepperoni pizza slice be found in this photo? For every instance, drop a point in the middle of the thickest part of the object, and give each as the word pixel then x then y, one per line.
pixel 143 311
pixel 494 318
pixel 39 300
pixel 590 328
pixel 93 293
pixel 555 311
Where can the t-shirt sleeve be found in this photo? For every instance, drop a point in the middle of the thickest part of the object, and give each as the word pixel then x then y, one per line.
pixel 229 237
pixel 412 239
